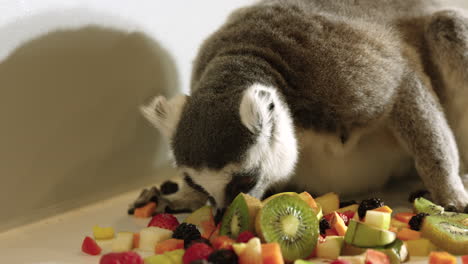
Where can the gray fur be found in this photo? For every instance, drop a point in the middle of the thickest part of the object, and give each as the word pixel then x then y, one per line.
pixel 342 68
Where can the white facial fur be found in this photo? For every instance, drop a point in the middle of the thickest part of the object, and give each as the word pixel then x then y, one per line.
pixel 275 153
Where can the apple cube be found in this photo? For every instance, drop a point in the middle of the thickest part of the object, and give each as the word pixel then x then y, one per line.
pixel 330 248
pixel 102 233
pixel 378 219
pixel 330 202
pixel 123 242
pixel 420 247
pixel 359 259
pixel 150 236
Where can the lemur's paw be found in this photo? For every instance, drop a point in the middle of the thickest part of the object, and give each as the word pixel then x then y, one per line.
pixel 455 202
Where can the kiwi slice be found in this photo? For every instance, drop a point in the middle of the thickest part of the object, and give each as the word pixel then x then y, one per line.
pixel 446 234
pixel 422 205
pixel 240 215
pixel 289 221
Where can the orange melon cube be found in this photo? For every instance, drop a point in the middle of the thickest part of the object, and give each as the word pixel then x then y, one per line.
pixel 408 234
pixel 169 245
pixel 271 254
pixel 145 211
pixel 441 258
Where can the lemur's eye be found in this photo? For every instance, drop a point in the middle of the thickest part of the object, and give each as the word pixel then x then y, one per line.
pixel 241 182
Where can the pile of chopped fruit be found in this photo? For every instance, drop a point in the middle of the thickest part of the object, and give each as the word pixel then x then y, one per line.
pixel 291 228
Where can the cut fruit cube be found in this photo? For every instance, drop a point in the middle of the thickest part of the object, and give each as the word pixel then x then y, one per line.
pixel 158 259
pixel 145 211
pixel 223 242
pixel 204 220
pixel 384 209
pixel 408 234
pixel 169 245
pixel 176 255
pixel 123 242
pixel 378 219
pixel 90 247
pixel 363 235
pixel 441 258
pixel 271 254
pixel 330 248
pixel 420 247
pixel 308 199
pixel 398 224
pixel 150 236
pixel 376 257
pixel 301 261
pixel 102 233
pixel 353 208
pixel 359 259
pixel 136 240
pixel 464 259
pixel 404 216
pixel 249 253
pixel 396 252
pixel 329 202
pixel 338 224
pixel 123 257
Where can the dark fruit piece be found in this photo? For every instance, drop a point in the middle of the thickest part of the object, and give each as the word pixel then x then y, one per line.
pixel 346 203
pixel 188 242
pixel 324 225
pixel 417 194
pixel 245 236
pixel 369 204
pixel 223 256
pixel 416 221
pixel 289 221
pixel 186 231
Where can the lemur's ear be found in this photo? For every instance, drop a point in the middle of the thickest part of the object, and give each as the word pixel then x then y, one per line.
pixel 257 109
pixel 164 114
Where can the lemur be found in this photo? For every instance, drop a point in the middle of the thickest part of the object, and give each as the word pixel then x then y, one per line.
pixel 329 95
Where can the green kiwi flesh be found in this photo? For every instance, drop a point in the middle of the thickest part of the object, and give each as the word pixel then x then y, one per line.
pixel 240 215
pixel 446 234
pixel 289 221
pixel 422 205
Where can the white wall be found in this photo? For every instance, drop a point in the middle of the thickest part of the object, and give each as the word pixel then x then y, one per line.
pixel 72 75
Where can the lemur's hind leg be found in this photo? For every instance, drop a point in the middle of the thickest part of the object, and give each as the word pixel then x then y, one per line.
pixel 447 37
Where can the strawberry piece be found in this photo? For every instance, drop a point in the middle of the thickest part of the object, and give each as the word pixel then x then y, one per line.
pixel 245 236
pixel 349 215
pixel 129 257
pixel 340 261
pixel 197 251
pixel 90 246
pixel 222 242
pixel 166 221
pixel 342 215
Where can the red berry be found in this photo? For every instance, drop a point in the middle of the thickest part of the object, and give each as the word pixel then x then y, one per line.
pixel 129 257
pixel 196 252
pixel 245 236
pixel 166 221
pixel 90 246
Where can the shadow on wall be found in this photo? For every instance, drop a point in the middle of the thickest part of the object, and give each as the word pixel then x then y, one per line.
pixel 71 132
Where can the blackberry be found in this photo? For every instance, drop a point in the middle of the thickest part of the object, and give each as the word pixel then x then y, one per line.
pixel 417 194
pixel 346 203
pixel 416 221
pixel 190 241
pixel 369 204
pixel 324 225
pixel 200 261
pixel 186 231
pixel 223 256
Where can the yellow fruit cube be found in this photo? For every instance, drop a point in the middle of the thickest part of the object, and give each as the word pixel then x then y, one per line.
pixel 102 233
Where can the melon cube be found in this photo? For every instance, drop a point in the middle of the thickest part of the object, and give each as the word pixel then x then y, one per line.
pixel 122 242
pixel 330 248
pixel 378 219
pixel 150 236
pixel 330 202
